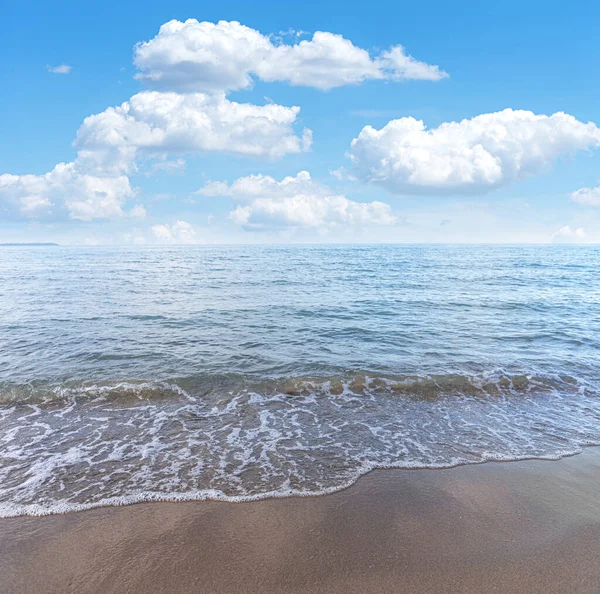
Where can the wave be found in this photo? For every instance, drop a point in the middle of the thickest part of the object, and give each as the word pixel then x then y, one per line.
pixel 496 383
pixel 78 445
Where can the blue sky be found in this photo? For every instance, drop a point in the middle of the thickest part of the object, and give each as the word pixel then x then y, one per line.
pixel 134 177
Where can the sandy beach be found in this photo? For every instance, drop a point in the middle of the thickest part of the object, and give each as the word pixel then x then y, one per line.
pixel 526 527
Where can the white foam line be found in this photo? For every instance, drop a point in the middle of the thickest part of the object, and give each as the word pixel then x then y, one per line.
pixel 13 510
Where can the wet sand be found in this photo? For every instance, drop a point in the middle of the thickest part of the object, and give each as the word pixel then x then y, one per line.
pixel 523 527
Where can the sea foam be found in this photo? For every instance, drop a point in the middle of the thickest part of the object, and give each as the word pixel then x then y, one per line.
pixel 114 444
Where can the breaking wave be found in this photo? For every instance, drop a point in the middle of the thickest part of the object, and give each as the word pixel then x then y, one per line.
pixel 78 445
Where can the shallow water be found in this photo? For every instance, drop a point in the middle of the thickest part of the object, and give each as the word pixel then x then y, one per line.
pixel 245 372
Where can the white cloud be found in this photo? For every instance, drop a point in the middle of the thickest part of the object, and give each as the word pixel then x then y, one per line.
pixel 338 173
pixel 295 202
pixel 254 186
pixel 341 174
pixel 329 61
pixel 164 165
pixel 587 196
pixel 149 125
pixel 66 187
pixel 138 212
pixel 178 232
pixel 141 134
pixel 475 155
pixel 568 235
pixel 214 188
pixel 209 57
pixel 311 211
pixel 62 69
pixel 397 65
pixel 152 122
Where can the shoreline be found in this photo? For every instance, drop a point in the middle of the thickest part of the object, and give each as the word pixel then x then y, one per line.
pixel 525 527
pixel 9 511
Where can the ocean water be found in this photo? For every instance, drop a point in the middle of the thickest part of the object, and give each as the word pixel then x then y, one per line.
pixel 237 372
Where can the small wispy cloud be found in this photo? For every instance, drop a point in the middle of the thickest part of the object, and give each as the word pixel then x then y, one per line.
pixel 341 174
pixel 293 33
pixel 168 166
pixel 62 69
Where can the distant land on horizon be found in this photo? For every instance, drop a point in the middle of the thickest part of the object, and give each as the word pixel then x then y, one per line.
pixel 27 244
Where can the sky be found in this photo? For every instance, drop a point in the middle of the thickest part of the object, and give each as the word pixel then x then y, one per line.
pixel 272 122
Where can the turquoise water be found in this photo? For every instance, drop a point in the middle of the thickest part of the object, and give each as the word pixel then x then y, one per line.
pixel 240 372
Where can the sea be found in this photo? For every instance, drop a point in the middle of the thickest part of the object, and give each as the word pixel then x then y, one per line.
pixel 237 373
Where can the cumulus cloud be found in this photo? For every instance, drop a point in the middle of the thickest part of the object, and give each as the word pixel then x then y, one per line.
pixel 311 211
pixel 587 196
pixel 142 133
pixel 264 186
pixel 298 201
pixel 154 122
pixel 151 123
pixel 62 69
pixel 568 235
pixel 195 64
pixel 470 156
pixel 209 57
pixel 66 187
pixel 138 212
pixel 178 232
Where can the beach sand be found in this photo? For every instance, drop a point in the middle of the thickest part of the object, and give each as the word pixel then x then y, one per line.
pixel 524 527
